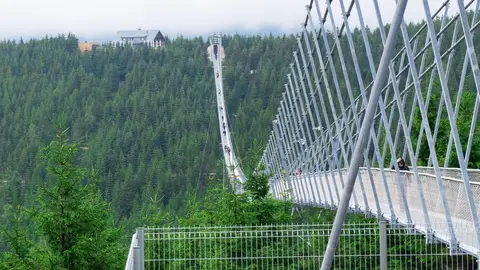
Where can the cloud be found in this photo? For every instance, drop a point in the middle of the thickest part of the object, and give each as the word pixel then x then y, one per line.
pixel 174 17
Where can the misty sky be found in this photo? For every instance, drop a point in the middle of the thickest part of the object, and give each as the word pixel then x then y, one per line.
pixel 89 18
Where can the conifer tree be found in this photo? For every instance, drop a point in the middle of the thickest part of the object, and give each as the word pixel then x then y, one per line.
pixel 74 224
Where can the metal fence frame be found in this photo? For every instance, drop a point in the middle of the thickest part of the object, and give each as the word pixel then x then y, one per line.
pixel 198 243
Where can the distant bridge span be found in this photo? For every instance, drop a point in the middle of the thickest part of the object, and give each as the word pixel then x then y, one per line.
pixel 216 54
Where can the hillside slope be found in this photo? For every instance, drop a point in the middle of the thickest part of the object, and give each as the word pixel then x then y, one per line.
pixel 146 118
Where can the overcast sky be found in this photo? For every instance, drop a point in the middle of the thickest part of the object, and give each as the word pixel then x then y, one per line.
pixel 89 18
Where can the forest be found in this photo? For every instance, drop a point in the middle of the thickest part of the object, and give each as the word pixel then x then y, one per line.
pixel 143 129
pixel 145 119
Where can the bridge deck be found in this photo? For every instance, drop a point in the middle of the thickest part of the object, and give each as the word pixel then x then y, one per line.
pixel 216 54
pixel 325 189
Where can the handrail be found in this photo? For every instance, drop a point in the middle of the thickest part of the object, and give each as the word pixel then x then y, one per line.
pixel 420 168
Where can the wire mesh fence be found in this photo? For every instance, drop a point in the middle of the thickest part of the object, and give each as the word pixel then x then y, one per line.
pixel 362 246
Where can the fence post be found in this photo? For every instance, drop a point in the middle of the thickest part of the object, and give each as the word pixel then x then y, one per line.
pixel 383 245
pixel 141 246
pixel 136 258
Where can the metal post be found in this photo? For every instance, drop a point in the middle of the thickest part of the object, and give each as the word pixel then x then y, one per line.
pixel 375 140
pixel 364 134
pixel 296 150
pixel 383 245
pixel 141 244
pixel 288 146
pixel 136 258
pixel 277 166
pixel 269 163
pixel 283 159
pixel 305 135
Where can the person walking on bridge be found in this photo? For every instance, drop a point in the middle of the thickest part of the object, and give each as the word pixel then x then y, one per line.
pixel 401 165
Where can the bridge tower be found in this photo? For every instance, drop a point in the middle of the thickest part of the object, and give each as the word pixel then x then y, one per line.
pixel 216 54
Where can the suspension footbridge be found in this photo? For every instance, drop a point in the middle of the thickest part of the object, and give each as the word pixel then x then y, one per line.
pixel 357 98
pixel 216 54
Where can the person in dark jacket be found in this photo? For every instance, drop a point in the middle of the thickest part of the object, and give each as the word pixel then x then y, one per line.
pixel 401 165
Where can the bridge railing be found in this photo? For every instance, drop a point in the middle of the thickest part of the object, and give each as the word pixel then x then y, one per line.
pixel 399 201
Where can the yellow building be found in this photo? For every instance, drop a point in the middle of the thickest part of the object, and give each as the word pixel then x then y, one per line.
pixel 87 46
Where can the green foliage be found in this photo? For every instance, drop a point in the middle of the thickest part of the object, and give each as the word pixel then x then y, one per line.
pixel 74 223
pixel 257 185
pixel 146 117
pixel 222 207
pixel 463 122
pixel 17 239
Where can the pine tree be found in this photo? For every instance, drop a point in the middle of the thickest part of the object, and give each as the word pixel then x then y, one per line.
pixel 74 223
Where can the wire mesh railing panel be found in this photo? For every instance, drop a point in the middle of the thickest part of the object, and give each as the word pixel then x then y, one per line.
pixel 370 192
pixel 360 190
pixel 396 196
pixel 458 206
pixel 427 256
pixel 396 210
pixel 302 246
